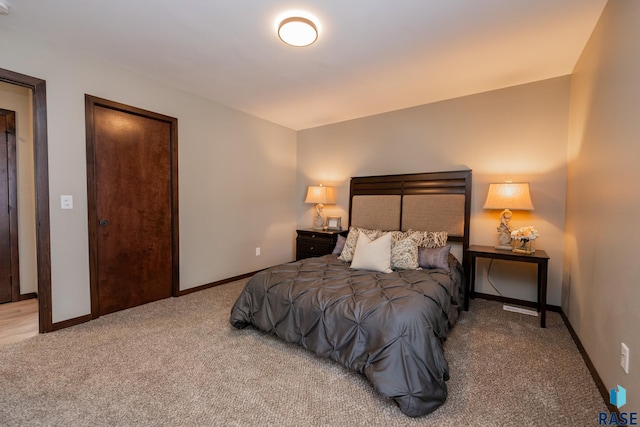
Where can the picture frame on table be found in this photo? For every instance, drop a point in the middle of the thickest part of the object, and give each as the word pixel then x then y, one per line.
pixel 334 223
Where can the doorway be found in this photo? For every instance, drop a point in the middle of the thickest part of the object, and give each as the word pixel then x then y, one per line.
pixel 132 173
pixel 41 191
pixel 9 251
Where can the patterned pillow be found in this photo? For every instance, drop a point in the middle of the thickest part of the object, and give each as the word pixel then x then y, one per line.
pixel 434 257
pixel 352 238
pixel 404 251
pixel 431 239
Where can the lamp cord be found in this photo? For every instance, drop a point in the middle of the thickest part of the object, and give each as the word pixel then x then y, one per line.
pixel 489 278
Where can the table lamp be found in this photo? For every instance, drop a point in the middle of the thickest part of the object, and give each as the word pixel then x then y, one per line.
pixel 506 196
pixel 321 196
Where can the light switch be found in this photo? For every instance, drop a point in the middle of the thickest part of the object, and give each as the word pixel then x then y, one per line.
pixel 66 202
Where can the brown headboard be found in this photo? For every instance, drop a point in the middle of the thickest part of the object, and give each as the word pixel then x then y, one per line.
pixel 434 201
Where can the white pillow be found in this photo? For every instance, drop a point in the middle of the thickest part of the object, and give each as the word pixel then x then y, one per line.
pixel 352 239
pixel 373 255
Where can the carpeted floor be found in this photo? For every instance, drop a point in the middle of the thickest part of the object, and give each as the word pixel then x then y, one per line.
pixel 179 362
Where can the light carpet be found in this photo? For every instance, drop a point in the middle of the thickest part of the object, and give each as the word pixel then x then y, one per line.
pixel 178 362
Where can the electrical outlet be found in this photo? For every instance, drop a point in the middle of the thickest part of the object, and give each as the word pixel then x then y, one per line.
pixel 257 251
pixel 624 357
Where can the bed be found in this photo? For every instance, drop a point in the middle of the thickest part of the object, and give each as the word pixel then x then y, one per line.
pixel 386 324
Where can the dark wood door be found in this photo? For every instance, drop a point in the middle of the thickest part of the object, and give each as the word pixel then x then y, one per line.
pixel 132 177
pixel 9 273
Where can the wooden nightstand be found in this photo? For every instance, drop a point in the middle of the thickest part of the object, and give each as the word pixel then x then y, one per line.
pixel 539 257
pixel 312 243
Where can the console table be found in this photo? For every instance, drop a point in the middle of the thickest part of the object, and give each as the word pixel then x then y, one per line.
pixel 539 257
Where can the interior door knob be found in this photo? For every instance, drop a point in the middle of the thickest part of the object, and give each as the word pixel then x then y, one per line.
pixel 104 222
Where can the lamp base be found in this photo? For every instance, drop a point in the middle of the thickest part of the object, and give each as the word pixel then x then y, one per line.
pixel 503 247
pixel 504 231
pixel 318 218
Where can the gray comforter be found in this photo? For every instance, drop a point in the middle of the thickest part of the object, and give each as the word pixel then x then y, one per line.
pixel 390 327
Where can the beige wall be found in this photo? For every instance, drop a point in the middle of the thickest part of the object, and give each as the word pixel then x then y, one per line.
pixel 518 133
pixel 237 173
pixel 19 99
pixel 602 274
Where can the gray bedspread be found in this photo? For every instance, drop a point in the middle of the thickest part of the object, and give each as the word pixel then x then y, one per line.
pixel 390 327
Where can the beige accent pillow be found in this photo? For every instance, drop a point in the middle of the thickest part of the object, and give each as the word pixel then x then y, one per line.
pixel 374 255
pixel 352 238
pixel 404 251
pixel 430 239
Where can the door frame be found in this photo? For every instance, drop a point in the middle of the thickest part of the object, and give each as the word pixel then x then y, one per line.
pixel 41 182
pixel 90 103
pixel 12 187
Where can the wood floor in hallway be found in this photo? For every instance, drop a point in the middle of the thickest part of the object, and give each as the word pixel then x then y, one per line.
pixel 18 321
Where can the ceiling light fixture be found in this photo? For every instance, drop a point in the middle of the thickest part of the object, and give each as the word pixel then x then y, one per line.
pixel 4 7
pixel 297 31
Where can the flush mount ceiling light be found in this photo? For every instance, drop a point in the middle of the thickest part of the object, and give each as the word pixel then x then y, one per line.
pixel 297 31
pixel 4 7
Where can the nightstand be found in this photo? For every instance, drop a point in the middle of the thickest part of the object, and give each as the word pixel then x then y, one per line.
pixel 539 257
pixel 313 243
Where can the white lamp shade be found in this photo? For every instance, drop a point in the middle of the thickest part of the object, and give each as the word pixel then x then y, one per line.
pixel 509 195
pixel 320 194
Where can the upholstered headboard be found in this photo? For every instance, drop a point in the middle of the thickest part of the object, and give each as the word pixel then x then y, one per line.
pixel 435 201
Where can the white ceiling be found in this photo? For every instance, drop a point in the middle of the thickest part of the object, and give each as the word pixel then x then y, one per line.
pixel 372 56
